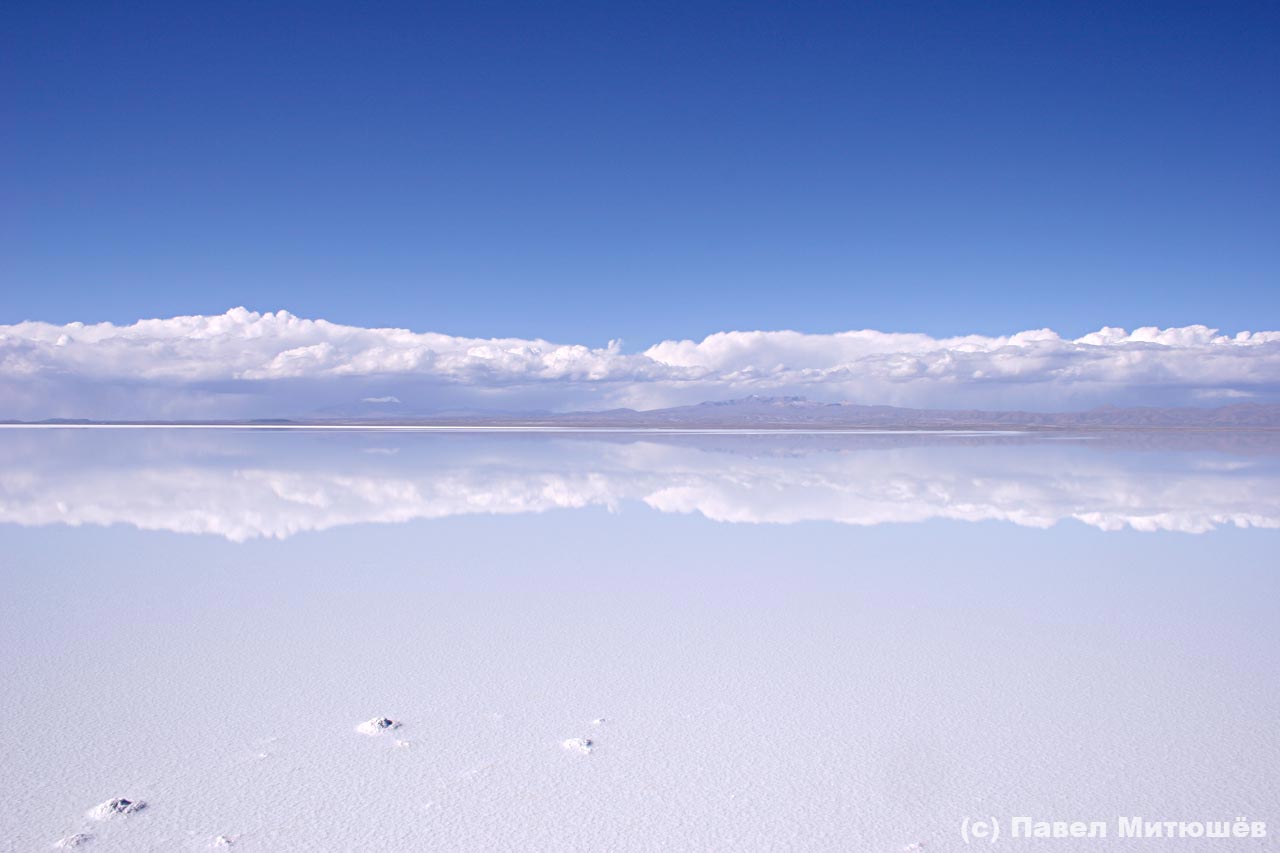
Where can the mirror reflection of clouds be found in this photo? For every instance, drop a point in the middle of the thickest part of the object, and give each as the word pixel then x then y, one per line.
pixel 250 485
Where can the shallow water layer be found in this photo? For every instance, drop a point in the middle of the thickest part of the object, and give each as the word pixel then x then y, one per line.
pixel 632 642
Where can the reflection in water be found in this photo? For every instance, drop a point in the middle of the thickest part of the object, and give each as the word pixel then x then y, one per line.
pixel 252 484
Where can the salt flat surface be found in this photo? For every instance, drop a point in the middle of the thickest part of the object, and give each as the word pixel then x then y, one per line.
pixel 627 646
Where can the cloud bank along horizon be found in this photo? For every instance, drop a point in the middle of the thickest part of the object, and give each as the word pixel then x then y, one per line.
pixel 248 364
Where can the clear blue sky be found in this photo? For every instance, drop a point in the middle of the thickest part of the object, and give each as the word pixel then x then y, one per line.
pixel 644 170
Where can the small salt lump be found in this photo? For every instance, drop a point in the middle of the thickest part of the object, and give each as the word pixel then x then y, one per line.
pixel 377 726
pixel 118 807
pixel 579 744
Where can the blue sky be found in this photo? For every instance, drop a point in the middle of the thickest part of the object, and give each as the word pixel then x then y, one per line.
pixel 644 171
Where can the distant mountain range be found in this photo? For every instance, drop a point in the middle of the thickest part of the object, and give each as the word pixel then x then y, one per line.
pixel 798 413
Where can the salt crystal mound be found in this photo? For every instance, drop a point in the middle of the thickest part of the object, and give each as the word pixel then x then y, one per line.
pixel 116 808
pixel 79 839
pixel 579 744
pixel 377 726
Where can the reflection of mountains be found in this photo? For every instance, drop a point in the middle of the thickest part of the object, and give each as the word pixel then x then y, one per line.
pixel 246 485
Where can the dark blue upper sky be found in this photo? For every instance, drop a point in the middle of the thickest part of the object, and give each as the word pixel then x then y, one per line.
pixel 645 171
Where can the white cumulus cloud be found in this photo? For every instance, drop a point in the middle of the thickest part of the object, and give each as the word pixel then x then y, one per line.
pixel 245 362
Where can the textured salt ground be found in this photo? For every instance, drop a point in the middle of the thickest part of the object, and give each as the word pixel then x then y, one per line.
pixel 783 688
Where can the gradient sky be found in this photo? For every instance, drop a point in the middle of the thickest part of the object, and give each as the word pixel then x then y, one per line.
pixel 644 171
